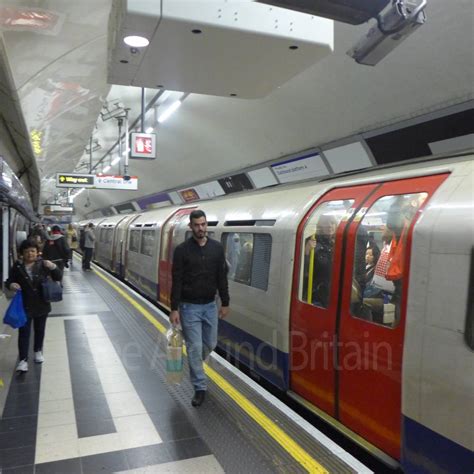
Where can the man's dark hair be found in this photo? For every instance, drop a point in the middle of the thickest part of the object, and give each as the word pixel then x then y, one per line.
pixel 56 228
pixel 90 224
pixel 28 244
pixel 196 215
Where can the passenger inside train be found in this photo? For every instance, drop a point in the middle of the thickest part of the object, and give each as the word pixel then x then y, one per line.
pixel 388 221
pixel 319 241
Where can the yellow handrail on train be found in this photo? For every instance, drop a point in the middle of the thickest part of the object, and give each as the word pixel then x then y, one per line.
pixel 310 272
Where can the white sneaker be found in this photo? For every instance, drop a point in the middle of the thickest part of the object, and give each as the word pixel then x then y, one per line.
pixel 22 366
pixel 39 359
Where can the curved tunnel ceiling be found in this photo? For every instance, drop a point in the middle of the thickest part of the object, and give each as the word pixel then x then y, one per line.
pixel 61 81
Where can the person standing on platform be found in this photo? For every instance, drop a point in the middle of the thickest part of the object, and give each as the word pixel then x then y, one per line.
pixel 56 248
pixel 28 275
pixel 89 243
pixel 199 272
pixel 72 240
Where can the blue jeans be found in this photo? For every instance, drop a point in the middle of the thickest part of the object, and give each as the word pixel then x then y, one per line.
pixel 199 323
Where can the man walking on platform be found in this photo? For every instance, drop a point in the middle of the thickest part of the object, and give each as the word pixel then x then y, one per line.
pixel 199 272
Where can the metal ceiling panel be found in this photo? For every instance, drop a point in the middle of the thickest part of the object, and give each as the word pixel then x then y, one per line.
pixel 241 49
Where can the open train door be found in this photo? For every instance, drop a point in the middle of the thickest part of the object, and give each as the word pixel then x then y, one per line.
pixel 314 313
pixel 372 317
pixel 166 254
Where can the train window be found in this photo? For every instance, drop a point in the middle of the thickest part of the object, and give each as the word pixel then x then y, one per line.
pixel 248 258
pixel 148 242
pixel 134 245
pixel 105 235
pixel 319 238
pixel 379 258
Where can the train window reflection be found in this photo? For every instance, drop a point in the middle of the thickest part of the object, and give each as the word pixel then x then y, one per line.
pixel 319 239
pixel 134 245
pixel 379 258
pixel 148 242
pixel 248 258
pixel 238 252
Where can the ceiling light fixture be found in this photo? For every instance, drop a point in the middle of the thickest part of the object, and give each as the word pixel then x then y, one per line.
pixel 107 168
pixel 169 111
pixel 115 161
pixel 136 41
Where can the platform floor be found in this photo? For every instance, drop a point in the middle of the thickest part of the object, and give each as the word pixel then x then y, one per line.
pixel 100 402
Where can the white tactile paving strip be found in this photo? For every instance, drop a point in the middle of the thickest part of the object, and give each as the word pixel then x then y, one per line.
pixel 57 437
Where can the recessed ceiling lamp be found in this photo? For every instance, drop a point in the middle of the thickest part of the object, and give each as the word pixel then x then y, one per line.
pixel 149 130
pixel 136 41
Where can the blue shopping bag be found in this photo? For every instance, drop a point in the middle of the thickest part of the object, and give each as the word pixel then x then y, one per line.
pixel 15 315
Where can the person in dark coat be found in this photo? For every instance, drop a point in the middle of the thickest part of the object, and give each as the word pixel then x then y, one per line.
pixel 56 248
pixel 27 275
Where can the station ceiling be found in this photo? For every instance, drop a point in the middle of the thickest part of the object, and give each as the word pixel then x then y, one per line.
pixel 56 78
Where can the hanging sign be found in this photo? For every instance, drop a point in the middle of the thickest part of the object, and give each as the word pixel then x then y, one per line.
pixel 116 182
pixel 143 146
pixel 74 180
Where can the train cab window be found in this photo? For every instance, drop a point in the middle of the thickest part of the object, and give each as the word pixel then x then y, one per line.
pixel 248 258
pixel 134 245
pixel 108 235
pixel 318 244
pixel 148 242
pixel 379 258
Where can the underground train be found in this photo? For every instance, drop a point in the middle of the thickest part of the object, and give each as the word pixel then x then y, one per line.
pixel 379 343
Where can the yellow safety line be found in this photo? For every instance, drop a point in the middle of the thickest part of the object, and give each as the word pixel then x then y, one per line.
pixel 285 441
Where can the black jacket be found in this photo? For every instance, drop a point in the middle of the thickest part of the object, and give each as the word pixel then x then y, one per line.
pixel 198 273
pixel 56 249
pixel 33 300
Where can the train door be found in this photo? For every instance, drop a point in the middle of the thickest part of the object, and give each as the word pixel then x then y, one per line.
pixel 316 294
pixel 166 254
pixel 124 228
pixel 372 318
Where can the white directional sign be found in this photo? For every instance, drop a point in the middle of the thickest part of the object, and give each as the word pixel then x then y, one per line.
pixel 116 182
pixel 102 181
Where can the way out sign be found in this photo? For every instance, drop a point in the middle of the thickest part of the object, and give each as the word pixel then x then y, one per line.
pixel 143 146
pixel 74 180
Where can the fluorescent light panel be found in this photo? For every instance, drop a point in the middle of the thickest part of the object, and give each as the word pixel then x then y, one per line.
pixel 169 111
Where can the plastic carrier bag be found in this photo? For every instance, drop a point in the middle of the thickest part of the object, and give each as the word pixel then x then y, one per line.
pixel 15 315
pixel 174 355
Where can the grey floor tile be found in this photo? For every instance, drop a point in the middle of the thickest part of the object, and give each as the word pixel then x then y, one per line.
pixel 20 470
pixel 17 439
pixel 69 466
pixel 187 448
pixel 147 456
pixel 177 431
pixel 104 463
pixel 17 457
pixel 18 423
pixel 94 427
